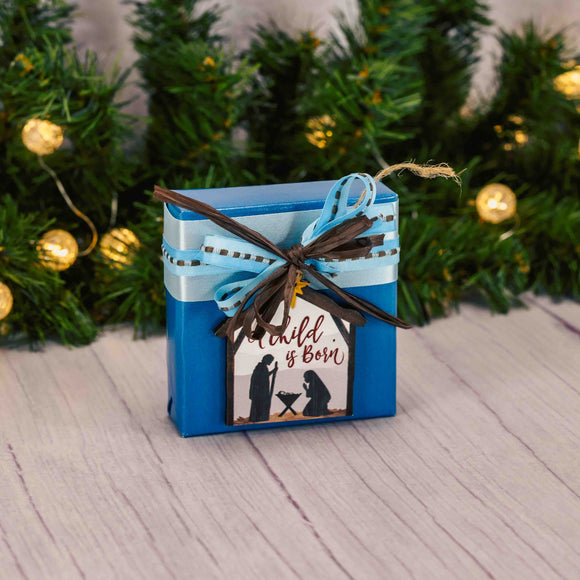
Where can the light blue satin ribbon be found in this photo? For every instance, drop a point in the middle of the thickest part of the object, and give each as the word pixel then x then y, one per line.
pixel 222 253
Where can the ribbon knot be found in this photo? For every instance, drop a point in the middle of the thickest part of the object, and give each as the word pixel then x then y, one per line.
pixel 343 238
pixel 295 255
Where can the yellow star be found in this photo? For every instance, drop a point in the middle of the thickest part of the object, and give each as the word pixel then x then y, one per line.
pixel 298 286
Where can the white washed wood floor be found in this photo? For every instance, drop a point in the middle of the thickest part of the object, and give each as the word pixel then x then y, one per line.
pixel 478 476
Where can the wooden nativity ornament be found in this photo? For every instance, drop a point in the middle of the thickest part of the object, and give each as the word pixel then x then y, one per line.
pixel 306 373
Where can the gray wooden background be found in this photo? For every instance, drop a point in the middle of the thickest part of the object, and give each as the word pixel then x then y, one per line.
pixel 102 26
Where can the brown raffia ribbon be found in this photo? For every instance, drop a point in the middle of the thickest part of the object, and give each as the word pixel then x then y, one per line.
pixel 340 242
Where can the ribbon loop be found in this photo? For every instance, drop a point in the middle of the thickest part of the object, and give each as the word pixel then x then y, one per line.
pixel 336 209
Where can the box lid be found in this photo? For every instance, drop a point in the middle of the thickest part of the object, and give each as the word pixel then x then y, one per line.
pixel 264 199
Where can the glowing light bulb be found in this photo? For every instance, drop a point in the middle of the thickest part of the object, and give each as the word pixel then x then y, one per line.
pixel 42 137
pixel 495 203
pixel 57 250
pixel 118 247
pixel 6 301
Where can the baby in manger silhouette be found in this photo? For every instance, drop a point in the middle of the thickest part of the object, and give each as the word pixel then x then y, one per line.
pixel 262 389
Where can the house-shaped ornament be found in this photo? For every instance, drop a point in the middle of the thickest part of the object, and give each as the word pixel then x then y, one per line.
pixel 305 374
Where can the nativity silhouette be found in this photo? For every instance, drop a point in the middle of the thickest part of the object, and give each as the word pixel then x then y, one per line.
pixel 318 394
pixel 262 390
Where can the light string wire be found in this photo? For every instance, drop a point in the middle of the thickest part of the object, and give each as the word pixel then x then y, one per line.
pixel 114 210
pixel 511 231
pixel 72 206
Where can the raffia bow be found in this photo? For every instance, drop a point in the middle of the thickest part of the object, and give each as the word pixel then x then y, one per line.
pixel 327 242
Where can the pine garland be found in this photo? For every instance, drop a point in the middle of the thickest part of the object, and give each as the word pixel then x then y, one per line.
pixel 197 93
pixel 43 305
pixel 390 86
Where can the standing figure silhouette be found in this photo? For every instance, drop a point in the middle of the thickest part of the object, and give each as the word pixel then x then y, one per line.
pixel 260 389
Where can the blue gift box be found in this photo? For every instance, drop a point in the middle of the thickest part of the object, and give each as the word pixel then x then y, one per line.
pixel 201 376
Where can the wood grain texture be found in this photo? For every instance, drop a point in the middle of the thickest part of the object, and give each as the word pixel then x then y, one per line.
pixel 477 477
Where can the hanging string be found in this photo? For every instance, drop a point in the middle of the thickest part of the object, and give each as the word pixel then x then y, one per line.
pixel 72 207
pixel 424 171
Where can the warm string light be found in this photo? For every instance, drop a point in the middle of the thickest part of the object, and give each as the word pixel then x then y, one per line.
pixel 6 301
pixel 513 134
pixel 43 137
pixel 520 137
pixel 568 83
pixel 320 130
pixel 496 203
pixel 119 246
pixel 58 250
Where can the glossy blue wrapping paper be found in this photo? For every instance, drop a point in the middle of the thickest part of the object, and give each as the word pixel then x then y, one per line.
pixel 197 358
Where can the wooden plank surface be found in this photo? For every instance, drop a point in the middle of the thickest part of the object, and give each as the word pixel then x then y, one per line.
pixel 477 477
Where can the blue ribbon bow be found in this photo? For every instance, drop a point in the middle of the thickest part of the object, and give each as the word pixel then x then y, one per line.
pixel 222 252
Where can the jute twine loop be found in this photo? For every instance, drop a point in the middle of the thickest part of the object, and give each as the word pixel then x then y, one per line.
pixel 424 171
